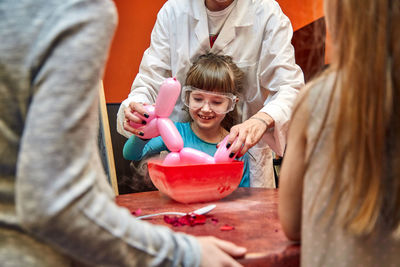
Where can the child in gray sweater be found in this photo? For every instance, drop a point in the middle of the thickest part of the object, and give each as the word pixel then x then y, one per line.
pixel 56 207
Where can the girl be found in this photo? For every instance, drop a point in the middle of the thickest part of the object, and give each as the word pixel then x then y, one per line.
pixel 340 180
pixel 210 95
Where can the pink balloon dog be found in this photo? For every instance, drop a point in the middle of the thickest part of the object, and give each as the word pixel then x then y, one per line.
pixel 158 123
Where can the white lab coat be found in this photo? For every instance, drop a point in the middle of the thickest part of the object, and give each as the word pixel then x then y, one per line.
pixel 257 35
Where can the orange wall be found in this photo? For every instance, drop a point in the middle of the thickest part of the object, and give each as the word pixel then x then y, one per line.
pixel 132 37
pixel 302 12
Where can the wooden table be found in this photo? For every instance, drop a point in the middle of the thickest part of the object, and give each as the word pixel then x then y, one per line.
pixel 252 211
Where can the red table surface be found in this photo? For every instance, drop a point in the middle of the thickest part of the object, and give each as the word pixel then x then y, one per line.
pixel 252 211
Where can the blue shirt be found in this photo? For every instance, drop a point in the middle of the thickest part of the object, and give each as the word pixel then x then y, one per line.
pixel 136 148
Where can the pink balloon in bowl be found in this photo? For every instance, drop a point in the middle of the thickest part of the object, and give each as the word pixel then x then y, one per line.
pixel 172 158
pixel 194 156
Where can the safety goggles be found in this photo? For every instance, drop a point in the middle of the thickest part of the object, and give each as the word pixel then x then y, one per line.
pixel 220 103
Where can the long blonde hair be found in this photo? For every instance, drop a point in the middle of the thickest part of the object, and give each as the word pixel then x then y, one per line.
pixel 366 62
pixel 217 73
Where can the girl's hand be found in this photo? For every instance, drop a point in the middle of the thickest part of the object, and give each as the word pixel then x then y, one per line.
pixel 248 133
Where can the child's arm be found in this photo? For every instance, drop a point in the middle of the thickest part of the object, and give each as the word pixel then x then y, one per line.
pixel 136 149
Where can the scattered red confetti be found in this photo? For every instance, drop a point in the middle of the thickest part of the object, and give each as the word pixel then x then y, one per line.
pixel 171 220
pixel 189 219
pixel 193 220
pixel 226 228
pixel 137 212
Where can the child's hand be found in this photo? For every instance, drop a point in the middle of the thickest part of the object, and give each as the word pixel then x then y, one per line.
pixel 217 252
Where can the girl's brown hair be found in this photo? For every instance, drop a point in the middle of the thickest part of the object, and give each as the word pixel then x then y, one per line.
pixel 366 151
pixel 217 73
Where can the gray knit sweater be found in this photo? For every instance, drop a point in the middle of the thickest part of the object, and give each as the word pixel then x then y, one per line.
pixel 56 208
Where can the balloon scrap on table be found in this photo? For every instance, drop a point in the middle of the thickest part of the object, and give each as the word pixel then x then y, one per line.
pixel 158 124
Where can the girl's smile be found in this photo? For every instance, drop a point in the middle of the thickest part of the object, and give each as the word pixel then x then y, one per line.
pixel 207 124
pixel 204 117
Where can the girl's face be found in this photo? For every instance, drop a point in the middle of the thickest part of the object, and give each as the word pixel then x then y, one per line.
pixel 202 110
pixel 208 109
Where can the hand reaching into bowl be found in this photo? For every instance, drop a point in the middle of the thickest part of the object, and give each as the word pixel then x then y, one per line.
pixel 247 134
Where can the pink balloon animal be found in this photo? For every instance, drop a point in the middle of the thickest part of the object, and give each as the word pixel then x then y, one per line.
pixel 158 123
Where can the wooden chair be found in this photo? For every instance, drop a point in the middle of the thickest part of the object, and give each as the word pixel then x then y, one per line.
pixel 105 145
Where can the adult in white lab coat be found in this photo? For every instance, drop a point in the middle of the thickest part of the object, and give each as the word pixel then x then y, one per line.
pixel 257 35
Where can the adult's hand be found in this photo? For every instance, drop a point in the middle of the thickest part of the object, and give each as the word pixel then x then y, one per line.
pixel 130 116
pixel 248 133
pixel 217 252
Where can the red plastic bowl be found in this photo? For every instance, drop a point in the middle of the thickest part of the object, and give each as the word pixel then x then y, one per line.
pixel 191 183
